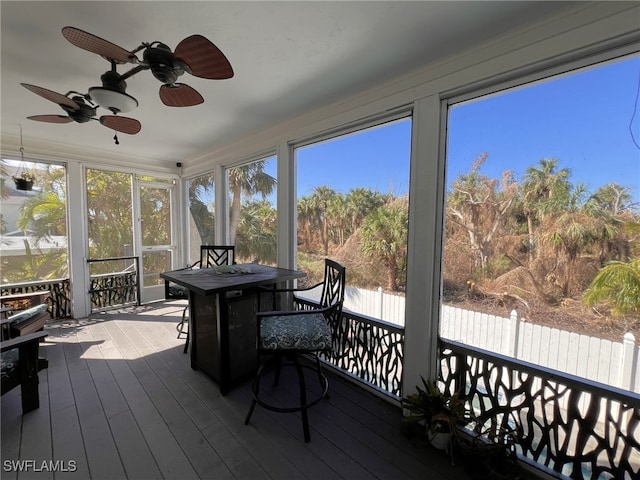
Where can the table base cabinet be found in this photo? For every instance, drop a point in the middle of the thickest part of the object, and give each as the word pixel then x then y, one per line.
pixel 228 336
pixel 223 302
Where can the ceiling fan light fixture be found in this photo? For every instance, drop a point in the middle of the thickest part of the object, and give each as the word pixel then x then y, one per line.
pixel 112 100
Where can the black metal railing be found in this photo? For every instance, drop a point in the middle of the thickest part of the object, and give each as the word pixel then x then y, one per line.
pixel 59 294
pixel 574 427
pixel 115 289
pixel 368 349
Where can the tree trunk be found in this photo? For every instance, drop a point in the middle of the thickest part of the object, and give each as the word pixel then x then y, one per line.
pixel 392 280
pixel 531 238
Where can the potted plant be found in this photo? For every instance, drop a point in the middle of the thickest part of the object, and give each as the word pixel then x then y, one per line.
pixel 490 450
pixel 440 413
pixel 24 181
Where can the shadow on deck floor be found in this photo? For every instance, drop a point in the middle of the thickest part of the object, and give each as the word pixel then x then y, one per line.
pixel 119 400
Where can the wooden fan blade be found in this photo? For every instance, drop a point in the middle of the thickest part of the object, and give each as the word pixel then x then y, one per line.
pixel 126 125
pixel 180 95
pixel 52 96
pixel 91 43
pixel 51 118
pixel 203 58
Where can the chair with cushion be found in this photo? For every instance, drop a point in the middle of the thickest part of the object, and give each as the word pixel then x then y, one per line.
pixel 210 256
pixel 20 366
pixel 283 336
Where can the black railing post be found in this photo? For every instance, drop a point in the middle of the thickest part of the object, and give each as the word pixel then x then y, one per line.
pixel 138 286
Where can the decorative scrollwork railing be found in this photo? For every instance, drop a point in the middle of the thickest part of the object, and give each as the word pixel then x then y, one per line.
pixel 59 294
pixel 575 427
pixel 116 288
pixel 368 349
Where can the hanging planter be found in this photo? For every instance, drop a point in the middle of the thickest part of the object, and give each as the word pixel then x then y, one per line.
pixel 24 182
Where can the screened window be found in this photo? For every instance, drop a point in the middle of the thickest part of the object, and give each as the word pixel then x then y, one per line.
pixel 543 193
pixel 352 201
pixel 110 214
pixel 201 191
pixel 252 211
pixel 33 225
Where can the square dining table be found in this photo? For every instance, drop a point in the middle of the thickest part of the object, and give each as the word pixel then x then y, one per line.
pixel 223 302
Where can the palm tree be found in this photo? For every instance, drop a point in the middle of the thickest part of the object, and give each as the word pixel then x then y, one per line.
pixel 619 284
pixel 203 214
pixel 307 216
pixel 384 238
pixel 45 215
pixel 337 219
pixel 256 235
pixel 359 203
pixel 250 179
pixel 544 187
pixel 576 227
pixel 321 199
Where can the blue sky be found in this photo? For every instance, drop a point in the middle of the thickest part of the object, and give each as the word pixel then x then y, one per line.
pixel 377 158
pixel 582 119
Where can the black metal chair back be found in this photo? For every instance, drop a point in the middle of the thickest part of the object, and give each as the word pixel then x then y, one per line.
pixel 210 256
pixel 334 285
pixel 216 255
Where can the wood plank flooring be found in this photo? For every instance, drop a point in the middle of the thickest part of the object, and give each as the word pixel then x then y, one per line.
pixel 120 401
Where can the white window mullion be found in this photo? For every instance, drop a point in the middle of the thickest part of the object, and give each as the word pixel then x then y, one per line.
pixel 425 241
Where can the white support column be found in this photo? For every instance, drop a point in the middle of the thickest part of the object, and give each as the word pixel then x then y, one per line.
pixel 77 235
pixel 221 226
pixel 180 222
pixel 425 242
pixel 286 207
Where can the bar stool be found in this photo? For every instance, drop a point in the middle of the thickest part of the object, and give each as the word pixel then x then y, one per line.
pixel 286 335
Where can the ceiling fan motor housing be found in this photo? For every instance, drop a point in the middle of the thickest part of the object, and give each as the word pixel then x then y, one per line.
pixel 83 114
pixel 112 81
pixel 162 63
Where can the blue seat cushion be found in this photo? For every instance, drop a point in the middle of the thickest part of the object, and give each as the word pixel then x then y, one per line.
pixel 295 332
pixel 27 315
pixel 178 291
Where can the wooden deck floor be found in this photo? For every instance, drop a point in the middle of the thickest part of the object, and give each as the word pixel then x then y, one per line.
pixel 119 400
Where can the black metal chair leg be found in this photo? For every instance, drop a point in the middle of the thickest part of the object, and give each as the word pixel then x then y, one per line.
pixel 324 383
pixel 255 388
pixel 180 324
pixel 303 400
pixel 276 378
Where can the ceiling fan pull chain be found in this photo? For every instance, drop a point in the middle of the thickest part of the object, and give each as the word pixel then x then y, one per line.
pixel 115 138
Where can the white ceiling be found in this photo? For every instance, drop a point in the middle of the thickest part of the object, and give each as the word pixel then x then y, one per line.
pixel 288 57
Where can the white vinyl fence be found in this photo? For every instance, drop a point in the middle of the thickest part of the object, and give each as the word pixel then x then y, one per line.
pixel 613 363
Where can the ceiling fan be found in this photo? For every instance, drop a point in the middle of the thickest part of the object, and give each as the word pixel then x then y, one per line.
pixel 195 55
pixel 80 108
